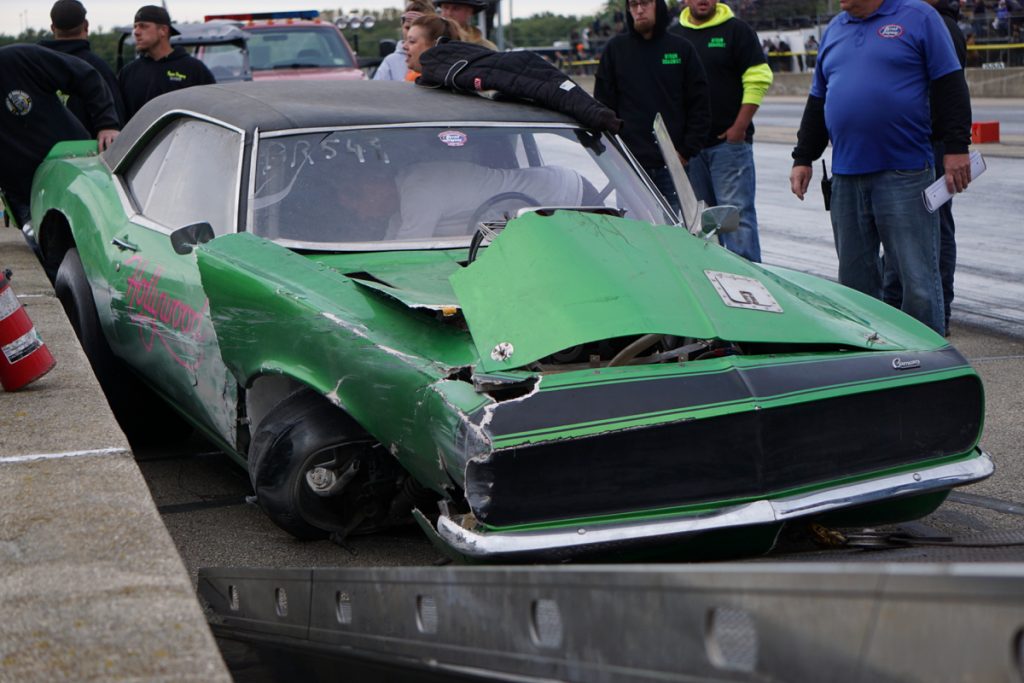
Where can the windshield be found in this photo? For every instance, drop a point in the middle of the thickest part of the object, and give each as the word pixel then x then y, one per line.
pixel 295 47
pixel 430 187
pixel 225 62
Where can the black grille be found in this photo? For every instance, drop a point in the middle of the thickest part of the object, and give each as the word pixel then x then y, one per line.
pixel 749 454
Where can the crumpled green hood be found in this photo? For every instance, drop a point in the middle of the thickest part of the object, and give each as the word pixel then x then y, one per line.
pixel 550 283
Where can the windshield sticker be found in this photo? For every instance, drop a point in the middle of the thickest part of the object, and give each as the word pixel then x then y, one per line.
pixel 739 291
pixel 453 138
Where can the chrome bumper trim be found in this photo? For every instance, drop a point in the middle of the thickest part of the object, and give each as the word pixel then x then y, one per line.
pixel 473 544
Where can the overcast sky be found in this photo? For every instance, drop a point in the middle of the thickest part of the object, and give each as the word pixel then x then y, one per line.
pixel 16 15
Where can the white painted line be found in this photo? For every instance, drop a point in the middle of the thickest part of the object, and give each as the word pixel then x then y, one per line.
pixel 10 459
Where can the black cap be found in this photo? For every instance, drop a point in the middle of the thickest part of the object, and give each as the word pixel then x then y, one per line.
pixel 67 14
pixel 477 5
pixel 155 14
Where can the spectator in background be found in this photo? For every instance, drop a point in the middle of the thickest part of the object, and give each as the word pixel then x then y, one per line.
pixel 811 47
pixel 722 172
pixel 1001 23
pixel 35 118
pixel 394 66
pixel 423 34
pixel 462 12
pixel 649 70
pixel 786 58
pixel 619 21
pixel 71 36
pixel 893 54
pixel 160 68
pixel 979 15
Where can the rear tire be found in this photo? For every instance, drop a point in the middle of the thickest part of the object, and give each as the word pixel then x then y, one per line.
pixel 136 407
pixel 300 433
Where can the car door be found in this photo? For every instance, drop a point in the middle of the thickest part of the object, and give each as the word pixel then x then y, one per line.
pixel 188 172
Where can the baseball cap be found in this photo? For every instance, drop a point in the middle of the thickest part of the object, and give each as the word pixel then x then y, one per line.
pixel 155 14
pixel 67 14
pixel 477 5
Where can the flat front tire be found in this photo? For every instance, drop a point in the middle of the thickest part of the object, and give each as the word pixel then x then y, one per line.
pixel 302 432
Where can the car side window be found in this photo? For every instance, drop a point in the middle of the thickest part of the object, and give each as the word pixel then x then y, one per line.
pixel 188 174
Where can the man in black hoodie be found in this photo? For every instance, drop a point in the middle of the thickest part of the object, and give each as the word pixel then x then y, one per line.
pixel 34 118
pixel 71 36
pixel 646 71
pixel 159 68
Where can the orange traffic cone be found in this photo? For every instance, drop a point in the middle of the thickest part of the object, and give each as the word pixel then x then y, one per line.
pixel 23 356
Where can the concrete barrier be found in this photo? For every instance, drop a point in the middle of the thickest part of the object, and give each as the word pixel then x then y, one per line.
pixel 91 584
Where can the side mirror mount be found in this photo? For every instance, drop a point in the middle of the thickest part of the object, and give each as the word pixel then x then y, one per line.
pixel 719 220
pixel 185 240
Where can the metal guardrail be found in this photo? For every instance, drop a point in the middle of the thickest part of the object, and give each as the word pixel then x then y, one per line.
pixel 729 622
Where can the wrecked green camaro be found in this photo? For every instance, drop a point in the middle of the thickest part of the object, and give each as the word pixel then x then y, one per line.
pixel 389 301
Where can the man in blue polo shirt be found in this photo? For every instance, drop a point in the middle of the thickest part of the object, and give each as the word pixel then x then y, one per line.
pixel 877 63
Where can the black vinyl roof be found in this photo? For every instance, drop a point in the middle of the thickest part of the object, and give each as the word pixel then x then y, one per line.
pixel 289 104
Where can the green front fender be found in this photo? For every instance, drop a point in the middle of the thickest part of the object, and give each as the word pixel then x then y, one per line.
pixel 277 312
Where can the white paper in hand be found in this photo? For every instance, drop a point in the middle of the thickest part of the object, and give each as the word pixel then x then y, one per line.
pixel 936 194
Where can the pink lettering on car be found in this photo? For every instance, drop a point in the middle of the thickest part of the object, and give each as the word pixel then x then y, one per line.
pixel 158 315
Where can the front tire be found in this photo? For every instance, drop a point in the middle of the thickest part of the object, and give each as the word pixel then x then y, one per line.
pixel 304 432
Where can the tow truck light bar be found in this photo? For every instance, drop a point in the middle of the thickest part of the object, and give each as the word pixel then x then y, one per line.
pixel 256 16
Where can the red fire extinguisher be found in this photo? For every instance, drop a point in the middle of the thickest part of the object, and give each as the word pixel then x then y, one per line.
pixel 23 356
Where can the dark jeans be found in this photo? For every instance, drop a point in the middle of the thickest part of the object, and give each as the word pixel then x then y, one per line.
pixel 724 174
pixel 885 209
pixel 893 289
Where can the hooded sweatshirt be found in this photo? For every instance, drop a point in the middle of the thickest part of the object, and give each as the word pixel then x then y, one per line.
pixel 80 48
pixel 737 71
pixel 638 78
pixel 145 78
pixel 33 118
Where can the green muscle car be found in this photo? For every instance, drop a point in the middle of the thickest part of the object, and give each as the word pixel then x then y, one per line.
pixel 391 302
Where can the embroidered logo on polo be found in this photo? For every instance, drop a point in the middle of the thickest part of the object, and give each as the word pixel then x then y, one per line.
pixel 717 41
pixel 176 76
pixel 671 58
pixel 18 102
pixel 891 31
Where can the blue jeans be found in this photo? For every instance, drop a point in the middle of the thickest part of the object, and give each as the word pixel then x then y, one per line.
pixel 663 181
pixel 885 209
pixel 892 293
pixel 724 174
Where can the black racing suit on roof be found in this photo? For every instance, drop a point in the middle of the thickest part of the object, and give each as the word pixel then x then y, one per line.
pixel 638 78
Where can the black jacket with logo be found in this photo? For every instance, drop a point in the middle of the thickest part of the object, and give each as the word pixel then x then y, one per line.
pixel 637 78
pixel 143 79
pixel 727 50
pixel 33 118
pixel 80 48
